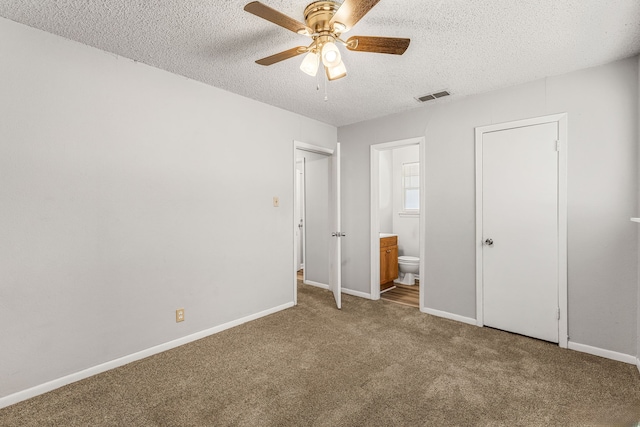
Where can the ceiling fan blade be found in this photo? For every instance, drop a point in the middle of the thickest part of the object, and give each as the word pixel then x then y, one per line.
pixel 278 18
pixel 270 60
pixel 351 11
pixel 391 45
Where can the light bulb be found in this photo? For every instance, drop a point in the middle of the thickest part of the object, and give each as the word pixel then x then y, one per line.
pixel 330 54
pixel 337 72
pixel 310 64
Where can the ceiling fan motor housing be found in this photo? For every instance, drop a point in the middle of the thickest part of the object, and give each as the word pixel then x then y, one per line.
pixel 318 17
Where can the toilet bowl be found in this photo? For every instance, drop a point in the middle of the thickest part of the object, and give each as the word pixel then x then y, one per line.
pixel 409 265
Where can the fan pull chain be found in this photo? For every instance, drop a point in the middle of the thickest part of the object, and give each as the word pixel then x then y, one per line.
pixel 326 83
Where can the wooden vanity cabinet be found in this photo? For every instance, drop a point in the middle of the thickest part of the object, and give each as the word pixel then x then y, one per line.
pixel 388 261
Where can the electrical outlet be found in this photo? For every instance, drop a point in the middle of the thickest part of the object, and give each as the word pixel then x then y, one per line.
pixel 180 315
pixel 276 202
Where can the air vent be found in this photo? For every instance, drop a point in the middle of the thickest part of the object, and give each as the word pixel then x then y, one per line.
pixel 431 96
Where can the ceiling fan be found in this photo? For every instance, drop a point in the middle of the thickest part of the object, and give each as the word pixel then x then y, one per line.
pixel 325 22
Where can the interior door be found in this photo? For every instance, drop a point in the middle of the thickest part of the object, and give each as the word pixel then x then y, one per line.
pixel 299 215
pixel 520 239
pixel 335 253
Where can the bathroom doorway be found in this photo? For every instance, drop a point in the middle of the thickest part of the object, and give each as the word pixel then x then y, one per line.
pixel 398 222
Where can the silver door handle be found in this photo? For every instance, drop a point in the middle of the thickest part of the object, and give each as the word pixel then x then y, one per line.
pixel 489 242
pixel 337 234
pixel 334 234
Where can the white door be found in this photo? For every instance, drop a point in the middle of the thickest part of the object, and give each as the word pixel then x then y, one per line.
pixel 520 230
pixel 299 217
pixel 335 255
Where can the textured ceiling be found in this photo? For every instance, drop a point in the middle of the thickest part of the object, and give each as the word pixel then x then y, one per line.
pixel 464 46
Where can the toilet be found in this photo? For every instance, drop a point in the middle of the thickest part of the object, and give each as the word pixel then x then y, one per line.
pixel 409 265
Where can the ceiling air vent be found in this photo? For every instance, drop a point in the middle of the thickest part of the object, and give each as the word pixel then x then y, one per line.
pixel 431 96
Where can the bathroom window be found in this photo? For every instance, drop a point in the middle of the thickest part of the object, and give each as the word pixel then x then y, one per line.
pixel 411 188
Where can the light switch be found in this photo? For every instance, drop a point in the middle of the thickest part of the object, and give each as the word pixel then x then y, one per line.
pixel 276 202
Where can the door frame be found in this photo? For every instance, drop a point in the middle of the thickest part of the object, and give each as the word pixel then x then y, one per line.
pixel 561 120
pixel 374 208
pixel 303 146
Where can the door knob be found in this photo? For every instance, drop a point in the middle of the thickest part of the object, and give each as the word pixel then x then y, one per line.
pixel 489 242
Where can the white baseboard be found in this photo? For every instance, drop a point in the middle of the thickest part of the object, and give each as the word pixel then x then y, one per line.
pixel 89 372
pixel 450 316
pixel 607 354
pixel 316 284
pixel 356 293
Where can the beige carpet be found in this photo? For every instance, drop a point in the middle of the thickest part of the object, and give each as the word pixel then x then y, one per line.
pixel 371 364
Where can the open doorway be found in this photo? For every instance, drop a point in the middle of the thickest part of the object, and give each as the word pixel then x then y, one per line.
pixel 317 254
pixel 398 222
pixel 314 185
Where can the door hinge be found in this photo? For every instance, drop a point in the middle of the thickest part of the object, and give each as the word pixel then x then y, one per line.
pixel 558 313
pixel 558 145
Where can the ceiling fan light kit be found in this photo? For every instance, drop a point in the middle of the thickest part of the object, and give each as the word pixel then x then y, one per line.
pixel 325 22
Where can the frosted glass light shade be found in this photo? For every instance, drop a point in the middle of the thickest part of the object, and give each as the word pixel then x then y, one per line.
pixel 337 72
pixel 330 55
pixel 310 64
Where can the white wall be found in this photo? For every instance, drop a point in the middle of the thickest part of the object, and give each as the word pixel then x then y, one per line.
pixel 317 185
pixel 128 192
pixel 386 191
pixel 406 227
pixel 602 106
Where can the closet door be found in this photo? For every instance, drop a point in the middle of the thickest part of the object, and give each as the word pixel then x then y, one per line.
pixel 520 243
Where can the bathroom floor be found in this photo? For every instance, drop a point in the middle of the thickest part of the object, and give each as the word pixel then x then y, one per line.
pixel 403 294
